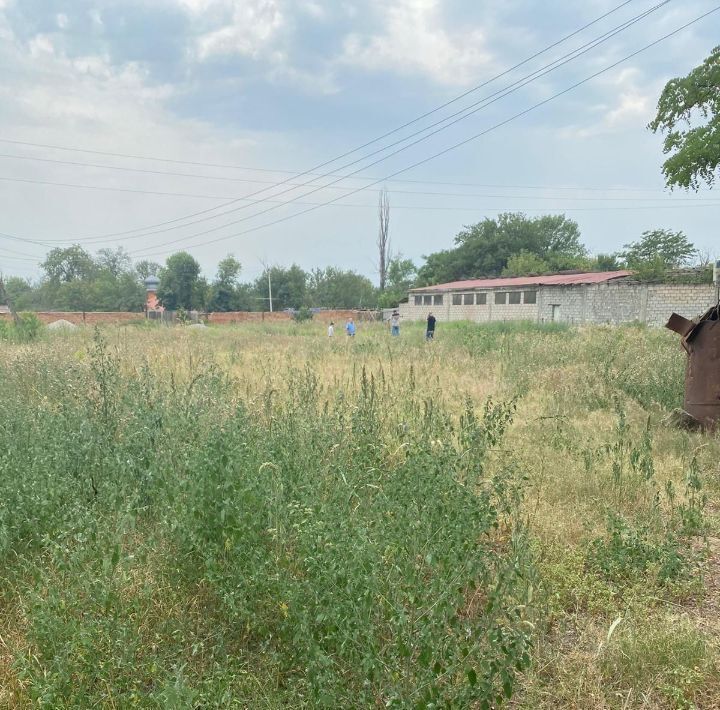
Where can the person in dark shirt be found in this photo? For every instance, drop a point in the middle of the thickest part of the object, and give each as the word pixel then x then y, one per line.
pixel 430 332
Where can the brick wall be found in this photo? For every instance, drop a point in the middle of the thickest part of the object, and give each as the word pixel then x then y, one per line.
pixel 93 317
pixel 89 318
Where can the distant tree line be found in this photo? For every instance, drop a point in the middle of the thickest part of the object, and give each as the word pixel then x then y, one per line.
pixel 510 245
pixel 75 280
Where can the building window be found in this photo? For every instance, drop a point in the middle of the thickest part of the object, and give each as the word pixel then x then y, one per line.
pixel 481 299
pixel 437 300
pixel 427 300
pixel 468 299
pixel 457 299
pixel 515 297
pixel 418 300
pixel 529 296
pixel 500 298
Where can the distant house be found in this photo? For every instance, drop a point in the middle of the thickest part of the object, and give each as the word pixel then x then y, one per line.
pixel 591 297
pixel 4 309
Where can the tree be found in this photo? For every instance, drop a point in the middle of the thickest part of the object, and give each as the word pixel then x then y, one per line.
pixel 694 152
pixel 68 264
pixel 484 249
pixel 383 240
pixel 223 292
pixel 605 262
pixel 401 276
pixel 114 261
pixel 180 283
pixel 288 287
pixel 19 293
pixel 525 263
pixel 336 288
pixel 662 247
pixel 147 268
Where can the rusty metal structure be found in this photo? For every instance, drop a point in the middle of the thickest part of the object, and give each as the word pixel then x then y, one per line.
pixel 701 341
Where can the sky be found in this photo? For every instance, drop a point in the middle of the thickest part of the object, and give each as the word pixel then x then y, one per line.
pixel 226 126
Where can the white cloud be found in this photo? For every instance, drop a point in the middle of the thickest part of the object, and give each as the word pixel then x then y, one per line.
pixel 96 17
pixel 629 103
pixel 244 27
pixel 414 41
pixel 40 44
pixel 62 20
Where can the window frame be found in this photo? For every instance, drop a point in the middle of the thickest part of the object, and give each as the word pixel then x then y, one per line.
pixel 437 299
pixel 481 299
pixel 457 299
pixel 534 297
pixel 504 295
pixel 514 298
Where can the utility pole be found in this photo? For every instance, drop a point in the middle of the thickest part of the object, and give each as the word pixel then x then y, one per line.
pixel 267 271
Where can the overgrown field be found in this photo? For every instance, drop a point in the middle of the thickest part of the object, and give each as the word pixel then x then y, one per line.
pixel 264 517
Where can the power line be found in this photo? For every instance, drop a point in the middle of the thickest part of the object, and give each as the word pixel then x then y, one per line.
pixel 477 135
pixel 431 208
pixel 347 153
pixel 321 165
pixel 552 66
pixel 348 189
pixel 527 80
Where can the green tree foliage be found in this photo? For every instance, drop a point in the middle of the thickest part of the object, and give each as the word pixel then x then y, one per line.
pixel 605 262
pixel 400 278
pixel 113 261
pixel 660 247
pixel 694 151
pixel 147 268
pixel 525 263
pixel 69 264
pixel 19 292
pixel 180 283
pixel 224 290
pixel 336 288
pixel 77 281
pixel 484 249
pixel 289 287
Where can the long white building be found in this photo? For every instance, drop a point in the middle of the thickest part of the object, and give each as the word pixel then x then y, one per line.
pixel 594 297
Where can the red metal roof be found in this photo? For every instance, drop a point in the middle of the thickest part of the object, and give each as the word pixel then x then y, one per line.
pixel 593 277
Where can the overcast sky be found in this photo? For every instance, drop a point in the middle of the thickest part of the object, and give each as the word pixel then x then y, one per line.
pixel 257 86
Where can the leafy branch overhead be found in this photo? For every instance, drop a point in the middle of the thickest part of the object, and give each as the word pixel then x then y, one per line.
pixel 688 113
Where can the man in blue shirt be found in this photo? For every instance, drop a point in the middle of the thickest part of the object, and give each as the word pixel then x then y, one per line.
pixel 350 328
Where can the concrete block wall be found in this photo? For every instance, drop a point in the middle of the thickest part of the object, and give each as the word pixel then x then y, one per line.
pixel 565 304
pixel 584 303
pixel 687 300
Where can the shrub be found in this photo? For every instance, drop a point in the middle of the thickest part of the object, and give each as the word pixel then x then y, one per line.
pixel 302 314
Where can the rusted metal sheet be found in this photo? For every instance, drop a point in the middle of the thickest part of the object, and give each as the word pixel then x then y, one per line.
pixel 701 340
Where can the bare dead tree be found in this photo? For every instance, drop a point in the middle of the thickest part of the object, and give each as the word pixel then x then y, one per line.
pixel 383 240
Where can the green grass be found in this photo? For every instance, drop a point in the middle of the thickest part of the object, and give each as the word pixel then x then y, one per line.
pixel 259 516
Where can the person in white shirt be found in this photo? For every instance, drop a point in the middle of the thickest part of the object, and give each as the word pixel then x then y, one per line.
pixel 331 329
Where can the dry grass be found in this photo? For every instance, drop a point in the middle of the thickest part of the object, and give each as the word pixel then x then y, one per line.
pixel 665 652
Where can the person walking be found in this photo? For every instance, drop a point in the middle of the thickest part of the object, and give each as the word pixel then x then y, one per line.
pixel 350 328
pixel 430 332
pixel 331 329
pixel 395 324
